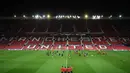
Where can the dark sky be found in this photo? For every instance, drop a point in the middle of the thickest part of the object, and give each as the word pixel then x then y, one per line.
pixel 63 6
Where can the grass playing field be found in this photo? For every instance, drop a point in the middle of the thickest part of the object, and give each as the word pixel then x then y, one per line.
pixel 38 62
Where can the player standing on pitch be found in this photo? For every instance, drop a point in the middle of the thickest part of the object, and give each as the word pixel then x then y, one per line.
pixel 62 54
pixel 69 69
pixel 85 54
pixel 62 69
pixel 65 70
pixel 69 56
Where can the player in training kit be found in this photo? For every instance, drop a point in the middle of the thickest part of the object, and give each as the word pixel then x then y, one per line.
pixel 69 69
pixel 99 52
pixel 79 52
pixel 57 51
pixel 69 55
pixel 52 54
pixel 52 51
pixel 62 54
pixel 85 54
pixel 47 53
pixel 62 69
pixel 65 70
pixel 69 51
pixel 104 53
pixel 59 54
pixel 76 52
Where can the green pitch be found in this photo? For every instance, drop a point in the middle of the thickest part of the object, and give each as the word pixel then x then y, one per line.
pixel 39 62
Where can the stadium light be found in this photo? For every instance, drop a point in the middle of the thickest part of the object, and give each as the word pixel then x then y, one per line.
pixel 60 16
pixel 68 16
pixel 74 17
pixel 86 16
pixel 36 16
pixel 14 15
pixel 48 16
pixel 93 17
pixel 110 16
pixel 98 17
pixel 78 17
pixel 101 15
pixel 24 16
pixel 56 17
pixel 40 17
pixel 120 16
pixel 43 16
pixel 33 16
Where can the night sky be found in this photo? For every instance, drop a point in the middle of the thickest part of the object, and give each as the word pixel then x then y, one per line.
pixel 63 6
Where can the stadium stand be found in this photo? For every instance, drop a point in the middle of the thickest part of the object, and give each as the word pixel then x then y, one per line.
pixel 62 34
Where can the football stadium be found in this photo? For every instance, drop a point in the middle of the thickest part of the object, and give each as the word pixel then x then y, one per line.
pixel 65 44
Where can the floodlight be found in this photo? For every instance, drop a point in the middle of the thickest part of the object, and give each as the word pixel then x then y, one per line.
pixel 101 15
pixel 74 17
pixel 24 16
pixel 48 16
pixel 14 15
pixel 43 16
pixel 67 16
pixel 98 16
pixel 78 17
pixel 86 16
pixel 120 16
pixel 93 17
pixel 36 16
pixel 33 16
pixel 56 17
pixel 110 16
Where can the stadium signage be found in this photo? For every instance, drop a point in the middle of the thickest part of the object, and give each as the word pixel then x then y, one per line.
pixel 72 47
pixel 100 39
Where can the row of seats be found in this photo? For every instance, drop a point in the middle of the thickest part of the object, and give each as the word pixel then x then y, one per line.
pixel 14 44
pixel 88 47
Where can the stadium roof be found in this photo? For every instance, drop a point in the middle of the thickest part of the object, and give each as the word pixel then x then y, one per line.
pixel 54 7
